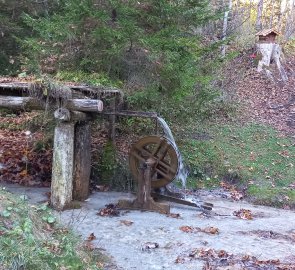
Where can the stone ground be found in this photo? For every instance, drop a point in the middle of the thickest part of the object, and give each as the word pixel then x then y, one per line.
pixel 269 235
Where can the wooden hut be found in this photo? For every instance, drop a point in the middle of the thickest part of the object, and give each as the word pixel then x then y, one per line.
pixel 267 35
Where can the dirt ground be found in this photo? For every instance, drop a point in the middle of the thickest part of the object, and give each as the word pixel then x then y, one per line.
pixel 188 239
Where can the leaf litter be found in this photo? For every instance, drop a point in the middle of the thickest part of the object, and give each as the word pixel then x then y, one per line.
pixel 110 210
pixel 223 260
pixel 207 230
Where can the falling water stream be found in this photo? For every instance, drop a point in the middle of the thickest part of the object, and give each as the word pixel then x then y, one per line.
pixel 182 172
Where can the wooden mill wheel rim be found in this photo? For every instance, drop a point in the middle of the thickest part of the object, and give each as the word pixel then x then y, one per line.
pixel 163 152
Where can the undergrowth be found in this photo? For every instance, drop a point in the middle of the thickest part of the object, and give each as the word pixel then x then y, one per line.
pixel 31 239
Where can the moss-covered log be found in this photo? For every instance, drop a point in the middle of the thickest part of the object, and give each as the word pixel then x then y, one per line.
pixel 21 103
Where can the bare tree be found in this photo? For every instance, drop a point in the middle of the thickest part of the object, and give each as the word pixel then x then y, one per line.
pixel 225 25
pixel 290 28
pixel 281 15
pixel 272 13
pixel 258 24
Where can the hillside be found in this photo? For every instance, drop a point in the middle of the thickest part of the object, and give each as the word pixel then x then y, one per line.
pixel 266 101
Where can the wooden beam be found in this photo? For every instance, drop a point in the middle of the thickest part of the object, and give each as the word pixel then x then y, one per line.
pixel 23 87
pixel 83 105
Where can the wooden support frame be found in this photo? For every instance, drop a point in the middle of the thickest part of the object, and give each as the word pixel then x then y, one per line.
pixel 72 151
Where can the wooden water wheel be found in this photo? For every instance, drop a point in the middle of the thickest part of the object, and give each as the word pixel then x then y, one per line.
pixel 162 152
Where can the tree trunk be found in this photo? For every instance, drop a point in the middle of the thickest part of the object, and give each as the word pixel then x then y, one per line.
pixel 82 165
pixel 290 21
pixel 258 24
pixel 225 26
pixel 271 51
pixel 271 15
pixel 281 14
pixel 62 166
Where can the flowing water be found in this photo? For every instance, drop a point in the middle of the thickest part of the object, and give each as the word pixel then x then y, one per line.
pixel 182 172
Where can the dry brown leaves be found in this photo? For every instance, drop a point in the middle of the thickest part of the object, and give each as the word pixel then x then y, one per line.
pixel 149 246
pixel 234 192
pixel 173 215
pixel 243 214
pixel 109 210
pixel 126 222
pixel 88 245
pixel 266 101
pixel 208 230
pixel 91 237
pixel 53 247
pixel 19 162
pixel 221 259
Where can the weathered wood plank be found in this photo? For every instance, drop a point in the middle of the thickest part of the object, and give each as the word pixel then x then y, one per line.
pixel 83 105
pixel 24 86
pixel 63 166
pixel 82 165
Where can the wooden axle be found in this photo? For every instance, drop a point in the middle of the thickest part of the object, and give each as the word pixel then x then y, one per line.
pixel 144 200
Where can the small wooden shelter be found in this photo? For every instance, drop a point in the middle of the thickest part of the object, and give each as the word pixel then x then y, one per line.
pixel 267 35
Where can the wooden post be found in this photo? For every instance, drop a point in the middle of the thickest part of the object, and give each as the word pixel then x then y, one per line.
pixel 144 200
pixel 62 167
pixel 112 120
pixel 82 163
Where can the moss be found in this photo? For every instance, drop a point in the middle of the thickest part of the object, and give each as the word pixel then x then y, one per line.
pixel 108 164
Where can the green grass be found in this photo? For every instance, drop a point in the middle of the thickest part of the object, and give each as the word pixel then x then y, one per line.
pixel 255 157
pixel 31 239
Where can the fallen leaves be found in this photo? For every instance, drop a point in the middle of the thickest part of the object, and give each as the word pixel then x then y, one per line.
pixel 187 229
pixel 19 161
pixel 88 245
pixel 234 192
pixel 109 210
pixel 203 254
pixel 208 230
pixel 149 246
pixel 243 214
pixel 221 259
pixel 126 222
pixel 172 215
pixel 91 237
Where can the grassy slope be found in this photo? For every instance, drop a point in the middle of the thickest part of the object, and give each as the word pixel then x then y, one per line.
pixel 31 239
pixel 253 157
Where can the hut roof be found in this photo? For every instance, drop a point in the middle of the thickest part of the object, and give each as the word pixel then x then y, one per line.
pixel 266 32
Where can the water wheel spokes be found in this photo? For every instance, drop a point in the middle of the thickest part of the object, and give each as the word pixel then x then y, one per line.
pixel 163 152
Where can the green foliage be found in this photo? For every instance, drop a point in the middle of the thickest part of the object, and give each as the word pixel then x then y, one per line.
pixel 13 30
pixel 123 40
pixel 95 79
pixel 30 240
pixel 108 163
